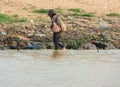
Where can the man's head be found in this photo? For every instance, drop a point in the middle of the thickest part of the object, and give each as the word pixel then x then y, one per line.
pixel 51 13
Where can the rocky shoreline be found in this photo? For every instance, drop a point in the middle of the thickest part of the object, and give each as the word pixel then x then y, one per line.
pixel 82 33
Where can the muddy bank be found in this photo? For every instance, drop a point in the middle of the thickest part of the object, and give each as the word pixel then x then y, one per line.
pixel 82 33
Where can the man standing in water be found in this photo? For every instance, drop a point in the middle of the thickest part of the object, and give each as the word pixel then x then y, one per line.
pixel 56 28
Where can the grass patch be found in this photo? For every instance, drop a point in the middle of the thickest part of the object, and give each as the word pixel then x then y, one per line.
pixel 19 20
pixel 83 14
pixel 4 18
pixel 79 12
pixel 45 11
pixel 11 19
pixel 42 11
pixel 74 44
pixel 113 15
pixel 58 10
pixel 75 10
pixel 87 15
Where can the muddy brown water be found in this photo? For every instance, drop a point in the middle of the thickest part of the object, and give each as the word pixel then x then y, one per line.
pixel 62 68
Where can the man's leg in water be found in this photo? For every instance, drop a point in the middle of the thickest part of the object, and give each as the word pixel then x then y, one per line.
pixel 56 37
pixel 55 40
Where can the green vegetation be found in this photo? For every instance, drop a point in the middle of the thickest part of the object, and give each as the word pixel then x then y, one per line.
pixel 58 10
pixel 75 10
pixel 4 18
pixel 71 44
pixel 49 46
pixel 113 15
pixel 83 14
pixel 45 11
pixel 78 12
pixel 87 15
pixel 11 19
pixel 42 11
pixel 74 44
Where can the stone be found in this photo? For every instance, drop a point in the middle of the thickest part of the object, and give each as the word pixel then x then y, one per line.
pixel 110 46
pixel 99 45
pixel 88 46
pixel 36 45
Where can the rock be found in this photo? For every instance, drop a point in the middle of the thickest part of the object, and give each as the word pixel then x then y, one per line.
pixel 2 47
pixel 40 38
pixel 116 25
pixel 40 35
pixel 2 33
pixel 17 44
pixel 13 45
pixel 37 45
pixel 99 45
pixel 110 46
pixel 88 46
pixel 29 45
pixel 116 43
pixel 34 45
pixel 115 35
pixel 21 44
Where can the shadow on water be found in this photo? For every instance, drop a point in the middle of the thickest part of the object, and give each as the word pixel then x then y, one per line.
pixel 56 54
